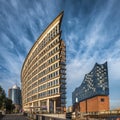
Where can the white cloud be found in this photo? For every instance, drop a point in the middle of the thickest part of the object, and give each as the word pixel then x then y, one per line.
pixel 115 104
pixel 27 44
pixel 6 41
pixel 114 68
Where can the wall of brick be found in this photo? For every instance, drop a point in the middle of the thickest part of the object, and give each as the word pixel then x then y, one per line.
pixel 82 106
pixel 95 104
pixel 105 104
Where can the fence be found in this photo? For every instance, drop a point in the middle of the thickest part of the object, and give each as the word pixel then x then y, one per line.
pixel 46 116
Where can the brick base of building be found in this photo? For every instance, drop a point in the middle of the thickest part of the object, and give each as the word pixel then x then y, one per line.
pixel 95 104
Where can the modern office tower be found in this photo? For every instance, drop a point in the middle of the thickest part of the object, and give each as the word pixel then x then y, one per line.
pixel 43 74
pixel 93 94
pixel 14 94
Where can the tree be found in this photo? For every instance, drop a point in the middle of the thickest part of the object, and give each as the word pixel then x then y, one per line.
pixel 2 98
pixel 5 103
pixel 9 106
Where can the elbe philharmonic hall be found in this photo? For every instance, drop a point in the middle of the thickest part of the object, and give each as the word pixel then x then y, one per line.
pixel 93 94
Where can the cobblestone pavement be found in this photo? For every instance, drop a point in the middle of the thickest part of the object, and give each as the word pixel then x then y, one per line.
pixel 14 117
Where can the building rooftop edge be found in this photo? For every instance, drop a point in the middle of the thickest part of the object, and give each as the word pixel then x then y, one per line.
pixel 60 15
pixel 96 64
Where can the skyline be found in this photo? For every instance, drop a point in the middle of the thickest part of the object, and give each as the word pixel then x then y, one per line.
pixel 90 30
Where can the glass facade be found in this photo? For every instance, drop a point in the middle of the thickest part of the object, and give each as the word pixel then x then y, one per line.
pixel 95 83
pixel 14 94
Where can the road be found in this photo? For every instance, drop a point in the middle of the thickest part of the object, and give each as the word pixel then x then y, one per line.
pixel 14 117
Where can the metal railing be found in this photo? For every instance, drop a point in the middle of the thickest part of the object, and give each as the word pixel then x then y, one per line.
pixel 47 116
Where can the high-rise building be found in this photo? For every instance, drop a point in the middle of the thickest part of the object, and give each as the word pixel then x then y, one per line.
pixel 43 75
pixel 93 94
pixel 14 94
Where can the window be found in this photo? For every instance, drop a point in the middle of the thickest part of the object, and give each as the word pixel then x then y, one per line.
pixel 56 73
pixel 56 65
pixel 57 81
pixel 56 90
pixel 102 99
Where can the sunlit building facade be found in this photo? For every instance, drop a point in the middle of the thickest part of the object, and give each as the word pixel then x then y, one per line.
pixel 93 94
pixel 43 74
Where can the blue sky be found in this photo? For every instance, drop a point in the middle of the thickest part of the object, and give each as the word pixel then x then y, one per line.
pixel 91 30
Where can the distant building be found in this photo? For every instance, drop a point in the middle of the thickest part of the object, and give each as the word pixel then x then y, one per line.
pixel 69 109
pixel 43 75
pixel 93 94
pixel 14 94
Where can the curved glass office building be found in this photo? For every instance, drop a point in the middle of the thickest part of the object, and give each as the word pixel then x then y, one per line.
pixel 43 74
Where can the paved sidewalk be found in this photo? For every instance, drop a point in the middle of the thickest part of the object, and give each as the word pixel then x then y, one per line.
pixel 14 117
